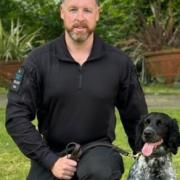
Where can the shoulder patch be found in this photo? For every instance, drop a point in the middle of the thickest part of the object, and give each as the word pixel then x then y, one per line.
pixel 17 80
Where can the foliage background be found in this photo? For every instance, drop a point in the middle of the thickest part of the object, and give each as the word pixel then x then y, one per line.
pixel 120 23
pixel 33 14
pixel 119 19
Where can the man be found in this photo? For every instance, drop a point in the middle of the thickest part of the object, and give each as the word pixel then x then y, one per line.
pixel 73 85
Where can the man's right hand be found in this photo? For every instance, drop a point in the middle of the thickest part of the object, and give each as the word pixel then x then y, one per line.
pixel 64 168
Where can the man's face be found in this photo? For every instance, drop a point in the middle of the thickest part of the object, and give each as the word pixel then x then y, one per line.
pixel 80 18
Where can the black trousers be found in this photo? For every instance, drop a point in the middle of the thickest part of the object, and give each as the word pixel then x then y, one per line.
pixel 99 163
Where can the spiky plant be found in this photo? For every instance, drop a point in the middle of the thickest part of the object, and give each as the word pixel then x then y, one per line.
pixel 15 44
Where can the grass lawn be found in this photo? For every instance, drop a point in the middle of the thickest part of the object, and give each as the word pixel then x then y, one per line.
pixel 14 166
pixel 161 89
pixel 3 91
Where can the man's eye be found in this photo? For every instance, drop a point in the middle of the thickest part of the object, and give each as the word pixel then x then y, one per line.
pixel 88 10
pixel 73 10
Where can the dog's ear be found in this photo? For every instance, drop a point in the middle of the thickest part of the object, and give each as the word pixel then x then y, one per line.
pixel 139 130
pixel 174 137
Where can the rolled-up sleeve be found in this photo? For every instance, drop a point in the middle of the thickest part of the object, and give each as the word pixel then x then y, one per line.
pixel 23 103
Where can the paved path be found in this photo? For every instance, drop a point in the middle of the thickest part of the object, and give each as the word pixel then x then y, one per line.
pixel 163 101
pixel 153 101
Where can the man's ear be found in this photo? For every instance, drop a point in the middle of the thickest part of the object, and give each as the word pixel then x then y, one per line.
pixel 98 14
pixel 61 11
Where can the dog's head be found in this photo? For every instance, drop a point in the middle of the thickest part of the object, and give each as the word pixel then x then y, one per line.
pixel 154 130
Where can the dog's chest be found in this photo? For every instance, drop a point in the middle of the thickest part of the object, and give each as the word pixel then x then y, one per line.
pixel 152 169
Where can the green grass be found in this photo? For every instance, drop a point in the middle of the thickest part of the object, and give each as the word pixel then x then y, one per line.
pixel 3 91
pixel 161 89
pixel 14 166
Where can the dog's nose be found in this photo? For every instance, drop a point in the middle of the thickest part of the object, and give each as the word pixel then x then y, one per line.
pixel 148 133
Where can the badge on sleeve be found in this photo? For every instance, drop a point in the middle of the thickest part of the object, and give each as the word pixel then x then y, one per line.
pixel 17 80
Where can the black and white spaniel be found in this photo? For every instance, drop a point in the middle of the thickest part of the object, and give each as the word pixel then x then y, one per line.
pixel 157 138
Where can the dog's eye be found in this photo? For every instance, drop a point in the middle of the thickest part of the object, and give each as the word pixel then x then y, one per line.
pixel 159 122
pixel 146 122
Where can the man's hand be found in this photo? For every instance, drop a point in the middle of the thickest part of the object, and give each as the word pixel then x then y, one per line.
pixel 64 168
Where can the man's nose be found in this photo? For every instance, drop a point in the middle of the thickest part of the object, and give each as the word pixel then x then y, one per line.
pixel 80 16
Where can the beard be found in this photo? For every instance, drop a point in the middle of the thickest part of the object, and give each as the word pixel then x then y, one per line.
pixel 79 32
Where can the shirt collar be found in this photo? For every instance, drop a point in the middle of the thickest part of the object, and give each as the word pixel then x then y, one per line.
pixel 62 52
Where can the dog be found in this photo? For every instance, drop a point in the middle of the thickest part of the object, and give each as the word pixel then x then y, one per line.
pixel 157 138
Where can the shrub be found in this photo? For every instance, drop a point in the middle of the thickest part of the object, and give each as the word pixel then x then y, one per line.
pixel 14 44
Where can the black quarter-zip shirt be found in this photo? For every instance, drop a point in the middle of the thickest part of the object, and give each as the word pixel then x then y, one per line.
pixel 72 102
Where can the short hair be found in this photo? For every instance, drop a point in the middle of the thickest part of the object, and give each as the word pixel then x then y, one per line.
pixel 97 1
